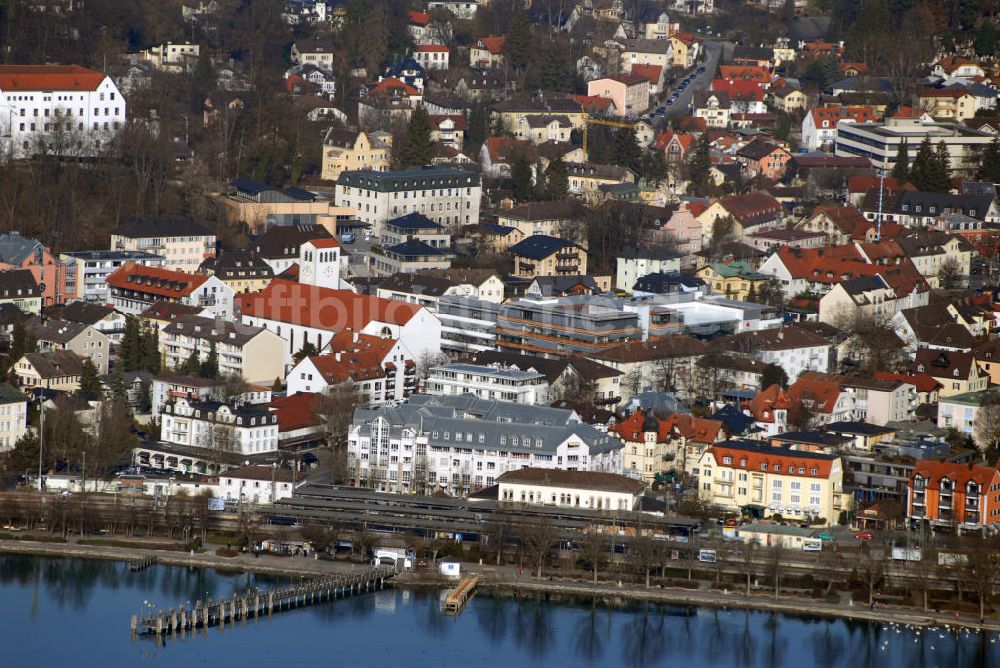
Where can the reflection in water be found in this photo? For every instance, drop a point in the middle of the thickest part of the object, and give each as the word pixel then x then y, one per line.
pixel 43 599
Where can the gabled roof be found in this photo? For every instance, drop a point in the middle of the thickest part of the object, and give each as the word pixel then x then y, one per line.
pixel 818 395
pixel 323 308
pixel 959 473
pixel 18 283
pixel 414 221
pixel 492 44
pixel 649 72
pixel 753 208
pixel 85 312
pixel 768 400
pixel 655 348
pixel 15 249
pixel 55 363
pixel 759 457
pixel 923 382
pixel 218 330
pixel 283 241
pixel 155 280
pixel 592 480
pixel 390 84
pixel 944 363
pixel 759 149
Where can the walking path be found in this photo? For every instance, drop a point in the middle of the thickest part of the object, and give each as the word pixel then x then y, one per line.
pixel 510 580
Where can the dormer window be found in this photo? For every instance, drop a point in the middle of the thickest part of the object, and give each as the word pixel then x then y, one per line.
pixel 727 460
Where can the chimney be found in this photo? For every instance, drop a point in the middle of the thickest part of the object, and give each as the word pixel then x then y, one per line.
pixel 336 356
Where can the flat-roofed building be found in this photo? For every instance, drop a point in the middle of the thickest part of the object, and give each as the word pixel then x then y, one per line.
pixel 489 381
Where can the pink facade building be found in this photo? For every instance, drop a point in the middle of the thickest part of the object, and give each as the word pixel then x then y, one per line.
pixel 20 252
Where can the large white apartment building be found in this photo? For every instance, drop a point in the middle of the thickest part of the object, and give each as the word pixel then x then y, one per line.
pixel 87 271
pixel 183 242
pixel 57 109
pixel 488 382
pixel 242 429
pixel 447 195
pixel 461 444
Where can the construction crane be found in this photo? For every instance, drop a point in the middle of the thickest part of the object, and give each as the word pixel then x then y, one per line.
pixel 589 120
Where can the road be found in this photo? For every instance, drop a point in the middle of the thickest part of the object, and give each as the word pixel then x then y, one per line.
pixel 682 107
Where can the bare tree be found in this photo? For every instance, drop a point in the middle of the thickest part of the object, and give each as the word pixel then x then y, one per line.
pixel 593 547
pixel 871 568
pixel 950 275
pixel 775 566
pixel 981 568
pixel 986 429
pixel 497 532
pixel 220 440
pixel 748 558
pixel 538 537
pixel 645 553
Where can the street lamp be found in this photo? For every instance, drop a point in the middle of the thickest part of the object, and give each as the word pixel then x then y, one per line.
pixel 41 438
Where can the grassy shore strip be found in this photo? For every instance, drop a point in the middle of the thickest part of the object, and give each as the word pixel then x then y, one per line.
pixel 687 597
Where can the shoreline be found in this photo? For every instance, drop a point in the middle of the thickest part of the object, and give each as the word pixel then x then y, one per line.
pixel 494 583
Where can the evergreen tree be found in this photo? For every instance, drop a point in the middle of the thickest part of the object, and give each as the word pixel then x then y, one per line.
pixel 522 178
pixel 901 170
pixel 701 164
pixel 150 342
pixel 654 167
pixel 130 351
pixel 276 385
pixel 939 180
pixel 116 385
pixel 517 46
pixel 556 180
pixel 90 384
pixel 921 167
pixel 210 367
pixel 626 148
pixel 773 375
pixel 202 81
pixel 192 365
pixel 478 123
pixel 21 342
pixel 989 168
pixel 418 147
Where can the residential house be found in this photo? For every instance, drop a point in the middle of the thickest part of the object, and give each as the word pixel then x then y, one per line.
pixel 19 252
pixel 432 56
pixel 762 158
pixel 960 411
pixel 241 270
pixel 630 92
pixel 789 100
pixel 319 52
pixel 750 213
pixel 947 103
pixel 646 52
pixel 13 416
pixel 487 53
pixel 634 262
pixel 953 495
pixel 819 126
pixel 86 272
pixel 55 370
pixel 586 178
pixel 779 481
pixel 252 353
pixel 102 318
pixel 685 49
pixel 553 219
pixel 957 372
pixel 666 362
pixel 793 348
pixel 541 255
pixel 19 287
pixel 135 287
pixel 184 243
pixel 426 288
pixel 240 428
pixel 280 246
pixel 345 150
pixel 84 340
pixel 713 106
pixel 861 299
pixel 449 130
pixel 736 280
pixel 256 484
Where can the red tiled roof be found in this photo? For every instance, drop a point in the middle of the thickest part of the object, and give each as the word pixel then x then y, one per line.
pixel 763 405
pixel 346 341
pixel 648 72
pixel 323 243
pixel 686 38
pixel 323 308
pixel 48 77
pixel 503 148
pixel 155 280
pixel 458 119
pixel 627 78
pixel 960 474
pixel 924 382
pixel 419 18
pixel 695 429
pixel 744 72
pixel 392 83
pixel 819 395
pixel 349 366
pixel 847 219
pixel 739 89
pixel 295 412
pixel 593 102
pixel 833 114
pixel 492 44
pixel 783 457
pixel 432 48
pixel 751 207
pixel 833 264
pixel 951 63
pixel 684 139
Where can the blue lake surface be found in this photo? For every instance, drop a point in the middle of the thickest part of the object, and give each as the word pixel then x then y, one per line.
pixel 71 612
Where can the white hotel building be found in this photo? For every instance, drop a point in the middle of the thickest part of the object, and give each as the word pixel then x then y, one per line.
pixel 447 195
pixel 59 109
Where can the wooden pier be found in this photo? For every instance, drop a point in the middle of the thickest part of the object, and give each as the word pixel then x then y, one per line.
pixel 460 595
pixel 141 564
pixel 256 603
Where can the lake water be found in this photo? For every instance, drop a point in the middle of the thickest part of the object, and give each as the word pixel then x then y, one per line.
pixel 70 612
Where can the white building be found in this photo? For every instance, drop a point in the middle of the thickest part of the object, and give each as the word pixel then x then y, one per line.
pixel 136 287
pixel 634 263
pixel 243 429
pixel 302 314
pixel 13 416
pixel 176 57
pixel 57 109
pixel 256 484
pixel 447 195
pixel 462 444
pixel 320 263
pixel 253 353
pixel 488 382
pixel 432 56
pixel 570 489
pixel 87 271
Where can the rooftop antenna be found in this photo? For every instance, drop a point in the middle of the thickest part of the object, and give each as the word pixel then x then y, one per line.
pixel 881 196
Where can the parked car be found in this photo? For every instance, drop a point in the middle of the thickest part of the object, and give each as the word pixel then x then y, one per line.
pixel 347 237
pixel 863 535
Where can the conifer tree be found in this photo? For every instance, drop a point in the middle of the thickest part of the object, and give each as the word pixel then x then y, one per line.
pixel 210 367
pixel 517 46
pixel 418 147
pixel 556 180
pixel 989 168
pixel 90 384
pixel 922 167
pixel 130 353
pixel 940 175
pixel 701 164
pixel 192 365
pixel 522 178
pixel 626 148
pixel 901 170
